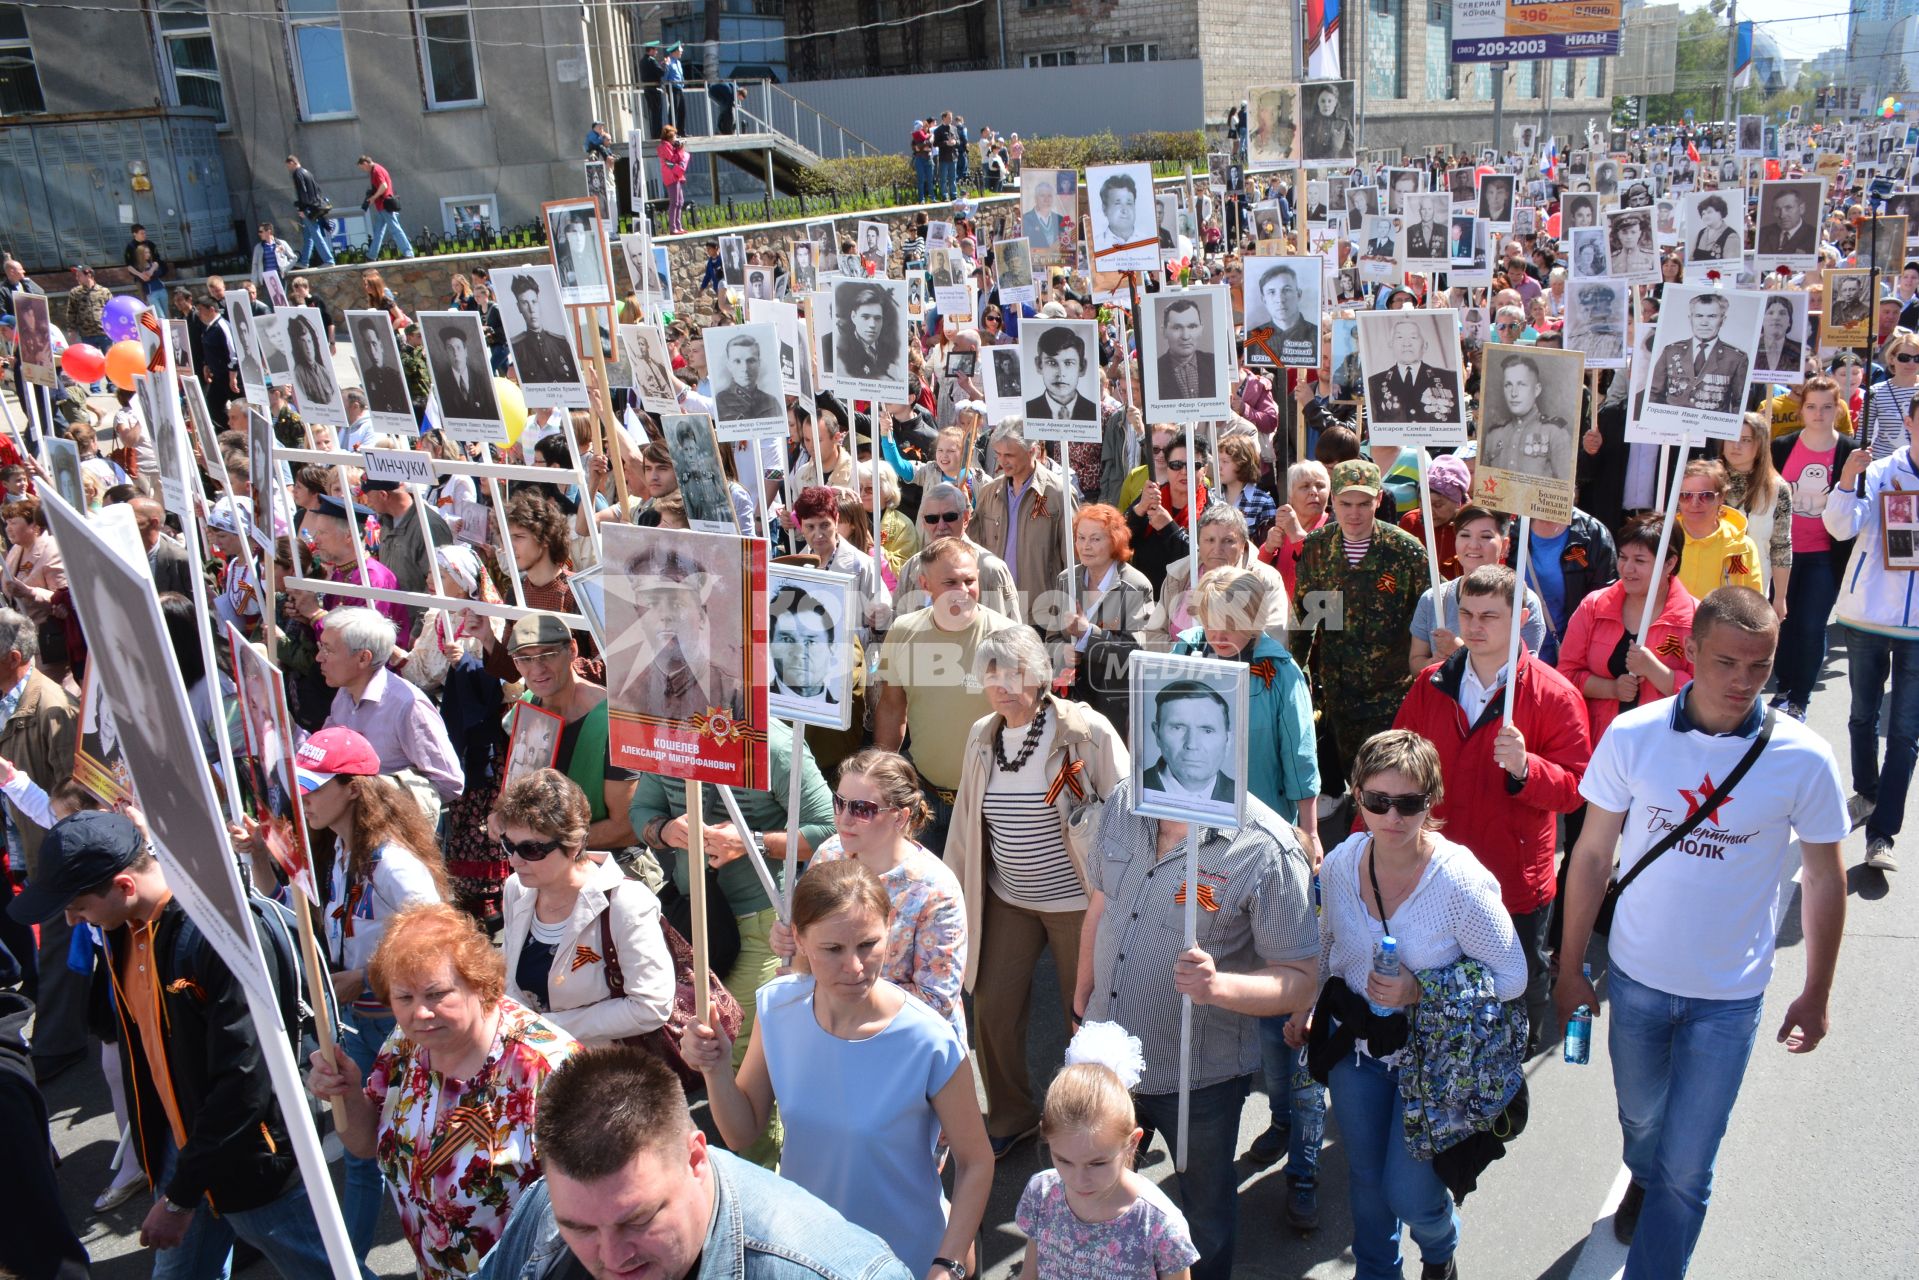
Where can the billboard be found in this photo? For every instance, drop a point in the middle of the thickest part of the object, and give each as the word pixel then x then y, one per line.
pixel 1498 30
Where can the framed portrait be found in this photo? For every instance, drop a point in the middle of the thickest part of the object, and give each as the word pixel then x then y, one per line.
pixel 1496 199
pixel 267 756
pixel 246 348
pixel 686 667
pixel 576 234
pixel 1272 125
pixel 1284 306
pixel 314 387
pixel 376 349
pixel 1713 231
pixel 1124 238
pixel 811 618
pixel 744 362
pixel 1899 518
pixel 33 334
pixel 1015 260
pixel 533 743
pixel 1702 360
pixel 1529 430
pixel 1425 233
pixel 1849 303
pixel 1631 253
pixel 1049 221
pixel 1188 729
pixel 469 409
pixel 1781 353
pixel 539 335
pixel 1060 362
pixel 1411 364
pixel 702 476
pixel 1326 133
pixel 646 356
pixel 868 341
pixel 1001 372
pixel 1186 341
pixel 63 463
pixel 1596 322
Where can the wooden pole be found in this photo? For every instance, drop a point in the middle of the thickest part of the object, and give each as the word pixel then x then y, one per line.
pixel 602 412
pixel 316 974
pixel 696 891
pixel 795 790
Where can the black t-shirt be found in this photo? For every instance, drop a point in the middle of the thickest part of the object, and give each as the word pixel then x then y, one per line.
pixel 536 962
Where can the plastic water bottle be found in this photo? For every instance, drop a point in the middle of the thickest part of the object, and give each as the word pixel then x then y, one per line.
pixel 1386 965
pixel 1579 1030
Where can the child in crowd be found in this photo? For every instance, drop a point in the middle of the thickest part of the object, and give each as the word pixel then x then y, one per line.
pixel 1091 1216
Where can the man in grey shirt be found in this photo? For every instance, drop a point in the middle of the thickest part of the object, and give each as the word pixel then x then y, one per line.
pixel 1258 956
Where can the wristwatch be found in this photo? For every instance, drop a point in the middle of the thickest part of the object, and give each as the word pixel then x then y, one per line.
pixel 174 1208
pixel 957 1269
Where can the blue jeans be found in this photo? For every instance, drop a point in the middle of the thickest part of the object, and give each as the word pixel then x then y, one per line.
pixel 1209 1189
pixel 499 356
pixel 313 245
pixel 1302 1113
pixel 1871 660
pixel 949 179
pixel 1676 1064
pixel 361 1035
pixel 157 295
pixel 923 177
pixel 1387 1186
pixel 284 1230
pixel 1802 636
pixel 382 223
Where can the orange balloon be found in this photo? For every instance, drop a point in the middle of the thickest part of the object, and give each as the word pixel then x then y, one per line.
pixel 126 361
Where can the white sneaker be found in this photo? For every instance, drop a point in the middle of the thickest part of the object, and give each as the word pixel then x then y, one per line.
pixel 1858 808
pixel 1879 855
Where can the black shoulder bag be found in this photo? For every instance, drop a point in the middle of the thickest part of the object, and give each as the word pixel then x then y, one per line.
pixel 1602 924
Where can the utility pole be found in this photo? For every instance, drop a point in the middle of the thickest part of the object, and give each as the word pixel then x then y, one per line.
pixel 1732 61
pixel 1499 106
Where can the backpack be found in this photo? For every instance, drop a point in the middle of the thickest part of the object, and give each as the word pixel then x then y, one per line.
pixel 279 935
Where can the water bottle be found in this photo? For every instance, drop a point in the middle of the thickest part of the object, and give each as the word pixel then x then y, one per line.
pixel 1579 1030
pixel 1386 965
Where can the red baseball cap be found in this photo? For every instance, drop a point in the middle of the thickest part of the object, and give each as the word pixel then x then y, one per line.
pixel 331 753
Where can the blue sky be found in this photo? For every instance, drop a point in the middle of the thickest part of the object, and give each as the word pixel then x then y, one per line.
pixel 1813 27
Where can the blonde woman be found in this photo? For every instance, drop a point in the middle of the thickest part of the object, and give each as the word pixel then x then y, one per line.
pixel 1753 488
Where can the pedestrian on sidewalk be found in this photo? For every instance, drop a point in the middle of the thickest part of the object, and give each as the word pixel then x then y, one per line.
pixel 316 216
pixel 382 207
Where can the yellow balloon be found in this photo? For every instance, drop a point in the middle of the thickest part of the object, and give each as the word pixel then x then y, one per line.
pixel 512 407
pixel 125 362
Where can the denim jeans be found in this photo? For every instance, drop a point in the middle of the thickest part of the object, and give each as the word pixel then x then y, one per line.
pixel 313 245
pixel 384 223
pixel 1209 1189
pixel 949 179
pixel 361 1035
pixel 1871 660
pixel 285 1230
pixel 1298 1101
pixel 500 359
pixel 923 177
pixel 1802 636
pixel 1387 1186
pixel 1676 1063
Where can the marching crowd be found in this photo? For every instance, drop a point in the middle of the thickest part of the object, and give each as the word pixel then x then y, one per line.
pixel 510 959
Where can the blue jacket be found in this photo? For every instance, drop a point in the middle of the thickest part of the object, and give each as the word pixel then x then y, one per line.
pixel 1282 755
pixel 764 1228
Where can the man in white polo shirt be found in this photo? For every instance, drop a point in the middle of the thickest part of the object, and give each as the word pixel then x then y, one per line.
pixel 1692 937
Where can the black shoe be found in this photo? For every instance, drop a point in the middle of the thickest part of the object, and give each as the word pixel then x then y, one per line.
pixel 1625 1219
pixel 1302 1206
pixel 1447 1270
pixel 50 1067
pixel 1269 1146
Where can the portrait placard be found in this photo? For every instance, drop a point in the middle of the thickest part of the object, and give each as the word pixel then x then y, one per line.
pixel 1189 738
pixel 646 356
pixel 868 356
pixel 1411 363
pixel 1186 345
pixel 170 448
pixel 826 242
pixel 1848 308
pixel 785 319
pixel 1496 199
pixel 1714 230
pixel 1425 236
pixel 246 348
pixel 581 260
pixel 1899 518
pixel 1528 431
pixel 876 244
pixel 1049 200
pixel 1401 184
pixel 1272 125
pixel 469 409
pixel 744 362
pixel 1596 322
pixel 376 349
pixel 1015 259
pixel 1001 371
pixel 1379 247
pixel 1781 353
pixel 1577 209
pixel 1631 252
pixel 63 463
pixel 811 619
pixel 733 261
pixel 534 742
pixel 702 476
pixel 1882 243
pixel 1703 356
pixel 1326 134
pixel 267 755
pixel 33 334
pixel 1059 359
pixel 1123 237
pixel 1788 223
pixel 1591 253
pixel 540 337
pixel 314 386
pixel 1751 136
pixel 1283 311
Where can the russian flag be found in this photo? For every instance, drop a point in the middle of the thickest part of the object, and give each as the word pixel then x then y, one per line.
pixel 1552 158
pixel 1322 39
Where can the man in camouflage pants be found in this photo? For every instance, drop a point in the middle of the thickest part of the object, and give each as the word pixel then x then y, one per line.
pixel 1359 581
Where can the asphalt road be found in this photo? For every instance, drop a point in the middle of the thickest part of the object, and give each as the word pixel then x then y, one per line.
pixel 1815 1176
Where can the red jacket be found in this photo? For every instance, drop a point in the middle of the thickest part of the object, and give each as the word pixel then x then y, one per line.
pixel 1509 826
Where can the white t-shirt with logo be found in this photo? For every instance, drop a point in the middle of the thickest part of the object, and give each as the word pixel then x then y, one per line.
pixel 1701 922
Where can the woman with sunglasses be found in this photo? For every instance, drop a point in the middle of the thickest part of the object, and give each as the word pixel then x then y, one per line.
pixel 573 922
pixel 385 860
pixel 1400 877
pixel 878 808
pixel 1718 551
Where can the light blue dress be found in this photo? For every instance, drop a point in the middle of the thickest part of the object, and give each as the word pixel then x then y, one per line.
pixel 861 1132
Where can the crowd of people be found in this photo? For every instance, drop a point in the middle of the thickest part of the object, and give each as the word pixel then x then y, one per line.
pixel 512 957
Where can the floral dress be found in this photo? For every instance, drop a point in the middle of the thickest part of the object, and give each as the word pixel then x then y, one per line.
pixel 926 943
pixel 1149 1240
pixel 458 1153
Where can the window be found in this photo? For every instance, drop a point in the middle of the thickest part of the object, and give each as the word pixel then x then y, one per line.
pixel 1562 77
pixel 19 78
pixel 1053 58
pixel 319 59
pixel 1385 70
pixel 1441 79
pixel 1526 80
pixel 464 215
pixel 1132 53
pixel 186 40
pixel 452 59
pixel 1595 77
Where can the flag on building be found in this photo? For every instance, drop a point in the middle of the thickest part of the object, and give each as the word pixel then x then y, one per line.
pixel 1322 39
pixel 1742 59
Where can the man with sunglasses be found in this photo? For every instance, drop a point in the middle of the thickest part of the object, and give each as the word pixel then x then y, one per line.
pixel 1506 783
pixel 543 651
pixel 946 513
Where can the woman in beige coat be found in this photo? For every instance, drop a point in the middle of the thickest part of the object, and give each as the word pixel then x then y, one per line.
pixel 562 909
pixel 1029 767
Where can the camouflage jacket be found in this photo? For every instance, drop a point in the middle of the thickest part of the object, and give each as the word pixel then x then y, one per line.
pixel 419 380
pixel 290 429
pixel 1362 615
pixel 85 303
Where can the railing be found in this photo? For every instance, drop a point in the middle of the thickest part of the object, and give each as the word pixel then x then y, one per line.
pixel 768 108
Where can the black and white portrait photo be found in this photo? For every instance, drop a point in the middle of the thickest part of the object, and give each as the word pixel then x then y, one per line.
pixel 1496 199
pixel 1606 177
pixel 1426 232
pixel 1702 359
pixel 1015 259
pixel 1166 217
pixel 376 349
pixel 1528 433
pixel 869 339
pixel 1577 209
pixel 744 363
pixel 1596 322
pixel 809 645
pixel 1378 247
pixel 1272 127
pixel 1591 253
pixel 759 282
pixel 1411 361
pixel 1283 308
pixel 940 264
pixel 63 464
pixel 1848 307
pixel 876 244
pixel 538 335
pixel 785 319
pixel 1714 233
pixel 733 261
pixel 806 274
pixel 1788 223
pixel 314 386
pixel 1121 196
pixel 1752 136
pixel 826 245
pixel 1631 253
pixel 462 383
pixel 246 347
pixel 1060 369
pixel 1400 186
pixel 646 355
pixel 1462 187
pixel 1003 374
pixel 1326 135
pixel 276 350
pixel 1781 353
pixel 695 448
pixel 1189 745
pixel 577 237
pixel 1362 201
pixel 1882 243
pixel 1186 345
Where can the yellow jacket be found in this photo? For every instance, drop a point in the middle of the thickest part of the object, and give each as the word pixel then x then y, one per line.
pixel 1724 558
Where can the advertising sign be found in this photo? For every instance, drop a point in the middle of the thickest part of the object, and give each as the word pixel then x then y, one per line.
pixel 1499 30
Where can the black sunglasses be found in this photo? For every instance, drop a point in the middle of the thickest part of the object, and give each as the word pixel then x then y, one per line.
pixel 530 850
pixel 858 810
pixel 1907 357
pixel 939 517
pixel 1176 464
pixel 1408 806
